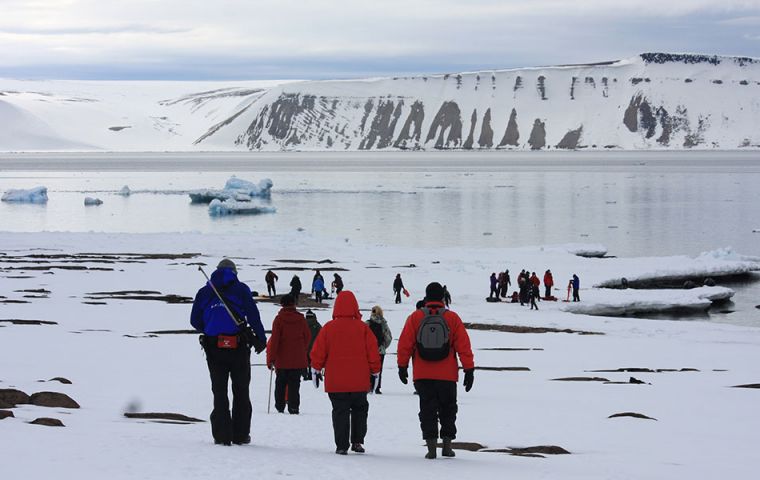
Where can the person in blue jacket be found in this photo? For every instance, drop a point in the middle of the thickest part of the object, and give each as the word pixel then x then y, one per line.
pixel 318 288
pixel 576 282
pixel 227 354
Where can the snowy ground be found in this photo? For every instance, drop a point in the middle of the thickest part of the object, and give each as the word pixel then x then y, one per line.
pixel 704 428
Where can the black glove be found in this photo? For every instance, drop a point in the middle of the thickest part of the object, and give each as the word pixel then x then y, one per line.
pixel 305 375
pixel 403 374
pixel 469 378
pixel 316 377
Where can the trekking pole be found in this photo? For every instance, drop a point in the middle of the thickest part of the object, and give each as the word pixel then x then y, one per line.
pixel 269 397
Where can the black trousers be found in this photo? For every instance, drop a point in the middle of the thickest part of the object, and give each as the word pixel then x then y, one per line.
pixel 290 379
pixel 398 296
pixel 349 417
pixel 438 403
pixel 548 291
pixel 494 292
pixel 271 290
pixel 375 385
pixel 225 364
pixel 576 297
pixel 318 296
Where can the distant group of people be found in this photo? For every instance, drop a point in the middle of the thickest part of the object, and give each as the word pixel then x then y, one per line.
pixel 317 286
pixel 529 288
pixel 346 353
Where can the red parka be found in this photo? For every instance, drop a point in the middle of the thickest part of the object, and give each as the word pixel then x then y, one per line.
pixel 534 280
pixel 346 348
pixel 289 341
pixel 446 369
pixel 548 279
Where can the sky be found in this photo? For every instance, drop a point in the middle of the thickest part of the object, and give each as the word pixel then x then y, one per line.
pixel 319 39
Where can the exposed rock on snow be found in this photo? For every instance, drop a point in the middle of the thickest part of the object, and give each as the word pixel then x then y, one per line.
pixel 581 379
pixel 631 414
pixel 6 414
pixel 11 396
pixel 749 385
pixel 63 380
pixel 174 417
pixel 92 201
pixel 48 422
pixel 33 195
pixel 219 208
pixel 524 329
pixel 609 302
pixel 53 399
pixel 17 321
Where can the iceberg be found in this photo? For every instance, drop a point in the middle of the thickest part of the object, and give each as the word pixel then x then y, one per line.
pixel 125 191
pixel 33 195
pixel 588 250
pixel 614 303
pixel 92 201
pixel 235 189
pixel 219 208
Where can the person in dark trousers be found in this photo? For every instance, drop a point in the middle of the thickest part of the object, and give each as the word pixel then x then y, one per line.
pixel 382 332
pixel 318 288
pixel 533 295
pixel 521 286
pixel 314 328
pixel 398 287
pixel 337 284
pixel 446 296
pixel 535 284
pixel 347 351
pixel 270 278
pixel 576 288
pixel 504 284
pixel 436 381
pixel 548 283
pixel 286 354
pixel 227 354
pixel 295 288
pixel 494 286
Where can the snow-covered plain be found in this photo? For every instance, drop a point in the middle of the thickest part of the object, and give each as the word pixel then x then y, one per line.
pixel 704 428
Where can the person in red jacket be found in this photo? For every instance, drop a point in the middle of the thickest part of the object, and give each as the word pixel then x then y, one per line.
pixel 548 283
pixel 347 350
pixel 436 381
pixel 286 354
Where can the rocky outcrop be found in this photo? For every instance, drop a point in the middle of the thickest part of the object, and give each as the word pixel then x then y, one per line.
pixel 12 397
pixel 448 119
pixel 53 399
pixel 571 139
pixel 6 414
pixel 48 422
pixel 537 139
pixel 511 134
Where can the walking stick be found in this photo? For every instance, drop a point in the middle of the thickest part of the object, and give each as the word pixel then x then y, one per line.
pixel 269 398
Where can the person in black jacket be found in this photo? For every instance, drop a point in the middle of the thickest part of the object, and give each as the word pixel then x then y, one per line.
pixel 398 287
pixel 295 287
pixel 227 354
pixel 337 284
pixel 270 278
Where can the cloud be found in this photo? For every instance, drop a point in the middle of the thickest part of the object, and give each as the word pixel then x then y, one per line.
pixel 331 38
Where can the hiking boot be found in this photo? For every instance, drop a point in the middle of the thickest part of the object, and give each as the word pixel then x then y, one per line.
pixel 244 441
pixel 293 412
pixel 222 442
pixel 341 451
pixel 357 447
pixel 431 445
pixel 378 392
pixel 447 451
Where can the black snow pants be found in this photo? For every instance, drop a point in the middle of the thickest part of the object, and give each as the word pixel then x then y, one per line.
pixel 349 417
pixel 271 290
pixel 290 379
pixel 224 364
pixel 438 403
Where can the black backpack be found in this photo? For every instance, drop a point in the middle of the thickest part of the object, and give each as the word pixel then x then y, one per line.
pixel 433 336
pixel 377 329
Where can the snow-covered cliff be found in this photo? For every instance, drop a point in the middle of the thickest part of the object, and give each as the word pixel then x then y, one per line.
pixel 652 101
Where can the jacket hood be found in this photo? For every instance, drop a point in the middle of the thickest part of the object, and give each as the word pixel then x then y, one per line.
pixel 223 277
pixel 346 306
pixel 290 315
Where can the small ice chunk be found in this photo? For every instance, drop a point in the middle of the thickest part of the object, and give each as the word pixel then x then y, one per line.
pixel 33 195
pixel 92 201
pixel 261 189
pixel 125 191
pixel 218 208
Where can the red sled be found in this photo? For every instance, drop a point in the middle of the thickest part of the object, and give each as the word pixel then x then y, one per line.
pixel 406 292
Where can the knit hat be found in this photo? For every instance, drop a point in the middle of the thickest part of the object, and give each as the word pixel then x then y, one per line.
pixel 227 263
pixel 433 292
pixel 287 300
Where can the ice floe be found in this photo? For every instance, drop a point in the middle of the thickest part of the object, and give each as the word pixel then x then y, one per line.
pixel 589 250
pixel 610 302
pixel 90 201
pixel 125 191
pixel 235 189
pixel 33 195
pixel 218 208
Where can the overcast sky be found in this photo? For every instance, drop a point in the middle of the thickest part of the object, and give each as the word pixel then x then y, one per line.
pixel 265 39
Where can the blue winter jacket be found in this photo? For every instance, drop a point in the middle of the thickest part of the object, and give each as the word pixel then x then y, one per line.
pixel 318 285
pixel 209 315
pixel 576 282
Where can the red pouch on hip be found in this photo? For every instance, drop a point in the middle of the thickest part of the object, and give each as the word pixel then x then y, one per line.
pixel 227 341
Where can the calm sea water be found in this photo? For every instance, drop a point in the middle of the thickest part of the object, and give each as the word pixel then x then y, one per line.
pixel 641 203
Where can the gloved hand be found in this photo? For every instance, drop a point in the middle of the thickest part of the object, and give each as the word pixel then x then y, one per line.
pixel 305 375
pixel 469 378
pixel 403 374
pixel 270 366
pixel 316 377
